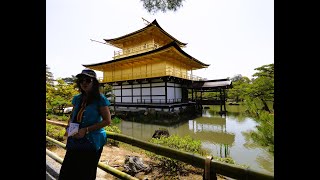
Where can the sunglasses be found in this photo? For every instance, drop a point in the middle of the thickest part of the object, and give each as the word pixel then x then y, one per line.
pixel 86 80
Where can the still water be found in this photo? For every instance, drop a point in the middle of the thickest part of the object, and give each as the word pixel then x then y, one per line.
pixel 222 136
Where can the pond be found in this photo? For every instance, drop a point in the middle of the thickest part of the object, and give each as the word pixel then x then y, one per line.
pixel 222 136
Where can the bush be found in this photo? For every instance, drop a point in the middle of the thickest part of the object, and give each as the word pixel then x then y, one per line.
pixel 116 120
pixel 112 129
pixel 186 144
pixel 58 118
pixel 56 132
pixel 265 131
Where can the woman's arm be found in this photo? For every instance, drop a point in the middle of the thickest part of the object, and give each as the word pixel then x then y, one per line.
pixel 70 117
pixel 106 121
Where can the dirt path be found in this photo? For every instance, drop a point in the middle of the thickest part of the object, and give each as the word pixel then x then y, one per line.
pixel 115 157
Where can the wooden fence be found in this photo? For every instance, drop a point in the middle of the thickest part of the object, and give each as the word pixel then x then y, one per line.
pixel 209 165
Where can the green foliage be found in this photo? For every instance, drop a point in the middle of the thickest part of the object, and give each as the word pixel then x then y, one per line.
pixel 59 101
pixel 107 90
pixel 259 98
pixel 60 95
pixel 264 135
pixel 253 106
pixel 52 117
pixel 65 90
pixel 265 71
pixel 153 6
pixel 211 95
pixel 262 87
pixel 57 117
pixel 49 76
pixel 116 120
pixel 186 144
pixel 55 132
pixel 70 80
pixel 265 131
pixel 229 160
pixel 240 86
pixel 49 111
pixel 64 118
pixel 226 160
pixel 112 129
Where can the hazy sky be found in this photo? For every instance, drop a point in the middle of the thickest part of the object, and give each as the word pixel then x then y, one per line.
pixel 233 36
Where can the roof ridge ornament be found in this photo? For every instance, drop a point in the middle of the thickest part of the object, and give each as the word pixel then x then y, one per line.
pixel 145 21
pixel 101 42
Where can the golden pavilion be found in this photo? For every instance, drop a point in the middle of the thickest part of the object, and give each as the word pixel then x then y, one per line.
pixel 152 71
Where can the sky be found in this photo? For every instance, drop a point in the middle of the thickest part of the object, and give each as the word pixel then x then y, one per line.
pixel 233 36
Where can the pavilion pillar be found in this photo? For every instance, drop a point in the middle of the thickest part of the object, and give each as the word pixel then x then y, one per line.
pixel 220 100
pixel 166 91
pixel 224 100
pixel 191 94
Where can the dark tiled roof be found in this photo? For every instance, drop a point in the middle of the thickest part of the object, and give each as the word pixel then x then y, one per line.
pixel 154 23
pixel 172 44
pixel 212 84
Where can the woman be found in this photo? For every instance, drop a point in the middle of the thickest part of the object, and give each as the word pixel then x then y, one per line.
pixel 91 112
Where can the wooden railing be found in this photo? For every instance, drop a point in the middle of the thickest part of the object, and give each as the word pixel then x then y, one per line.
pixel 158 101
pixel 225 169
pixel 135 50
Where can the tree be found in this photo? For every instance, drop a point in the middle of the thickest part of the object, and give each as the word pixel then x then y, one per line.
pixel 70 80
pixel 60 95
pixel 262 87
pixel 265 71
pixel 237 77
pixel 239 87
pixel 265 131
pixel 49 76
pixel 153 6
pixel 258 93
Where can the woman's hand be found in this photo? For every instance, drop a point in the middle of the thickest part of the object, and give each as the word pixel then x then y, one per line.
pixel 81 133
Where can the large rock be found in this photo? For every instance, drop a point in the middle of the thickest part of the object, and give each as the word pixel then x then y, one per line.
pixel 161 132
pixel 134 164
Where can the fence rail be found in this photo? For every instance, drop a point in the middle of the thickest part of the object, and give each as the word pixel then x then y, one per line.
pixel 104 167
pixel 225 169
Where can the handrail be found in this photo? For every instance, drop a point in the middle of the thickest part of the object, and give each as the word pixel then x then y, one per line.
pixel 54 156
pixel 225 169
pixel 105 167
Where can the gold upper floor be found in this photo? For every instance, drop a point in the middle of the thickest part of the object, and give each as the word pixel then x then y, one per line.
pixel 146 53
pixel 140 48
pixel 123 75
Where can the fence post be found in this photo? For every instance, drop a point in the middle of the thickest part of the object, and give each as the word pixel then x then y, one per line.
pixel 209 171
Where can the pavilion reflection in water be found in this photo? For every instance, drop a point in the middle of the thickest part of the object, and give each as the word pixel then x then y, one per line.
pixel 212 132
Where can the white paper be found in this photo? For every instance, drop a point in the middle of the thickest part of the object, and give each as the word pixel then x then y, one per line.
pixel 73 129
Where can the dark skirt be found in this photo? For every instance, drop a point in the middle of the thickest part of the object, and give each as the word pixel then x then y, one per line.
pixel 80 165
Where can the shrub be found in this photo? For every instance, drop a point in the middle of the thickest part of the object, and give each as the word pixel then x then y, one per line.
pixel 55 132
pixel 116 120
pixel 112 129
pixel 186 144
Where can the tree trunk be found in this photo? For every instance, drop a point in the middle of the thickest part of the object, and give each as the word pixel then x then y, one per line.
pixel 265 106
